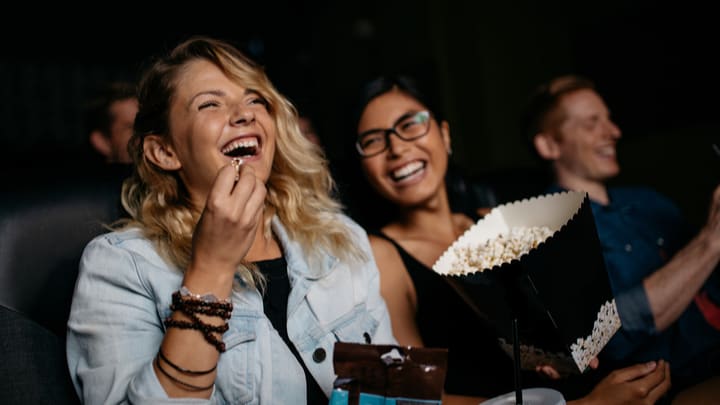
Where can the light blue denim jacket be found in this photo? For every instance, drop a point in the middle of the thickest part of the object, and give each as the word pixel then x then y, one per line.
pixel 123 293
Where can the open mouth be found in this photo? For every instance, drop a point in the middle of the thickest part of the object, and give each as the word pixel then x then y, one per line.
pixel 242 148
pixel 407 170
pixel 606 152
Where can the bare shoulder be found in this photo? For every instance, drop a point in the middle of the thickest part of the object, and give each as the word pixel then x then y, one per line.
pixel 391 266
pixel 462 222
pixel 383 250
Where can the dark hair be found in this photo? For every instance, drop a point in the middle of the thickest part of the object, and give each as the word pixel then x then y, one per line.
pixel 98 115
pixel 545 99
pixel 384 84
pixel 362 202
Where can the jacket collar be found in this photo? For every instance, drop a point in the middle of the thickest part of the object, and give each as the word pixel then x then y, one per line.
pixel 299 263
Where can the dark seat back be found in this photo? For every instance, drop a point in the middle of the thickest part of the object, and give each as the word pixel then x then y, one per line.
pixel 33 369
pixel 45 223
pixel 43 229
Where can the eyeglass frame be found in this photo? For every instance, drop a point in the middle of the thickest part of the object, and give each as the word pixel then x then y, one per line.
pixel 388 131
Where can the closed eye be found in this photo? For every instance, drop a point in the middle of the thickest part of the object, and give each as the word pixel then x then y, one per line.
pixel 259 100
pixel 208 104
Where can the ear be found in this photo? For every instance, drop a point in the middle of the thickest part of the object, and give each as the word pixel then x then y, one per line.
pixel 546 146
pixel 101 143
pixel 445 132
pixel 158 151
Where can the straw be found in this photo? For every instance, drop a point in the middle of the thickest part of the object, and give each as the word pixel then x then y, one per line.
pixel 516 357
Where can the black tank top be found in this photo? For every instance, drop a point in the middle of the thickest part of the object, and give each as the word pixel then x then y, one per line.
pixel 275 301
pixel 477 366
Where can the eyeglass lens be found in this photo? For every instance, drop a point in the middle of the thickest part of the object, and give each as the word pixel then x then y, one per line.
pixel 407 128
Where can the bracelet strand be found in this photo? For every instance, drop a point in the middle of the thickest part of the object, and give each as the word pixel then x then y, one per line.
pixel 183 384
pixel 184 370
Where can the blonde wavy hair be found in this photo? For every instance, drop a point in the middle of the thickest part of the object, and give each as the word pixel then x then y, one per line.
pixel 299 186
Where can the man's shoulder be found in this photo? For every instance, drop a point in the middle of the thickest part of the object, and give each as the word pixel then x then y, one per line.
pixel 639 194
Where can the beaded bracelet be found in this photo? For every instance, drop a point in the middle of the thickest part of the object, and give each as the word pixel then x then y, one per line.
pixel 205 329
pixel 191 305
pixel 204 298
pixel 201 326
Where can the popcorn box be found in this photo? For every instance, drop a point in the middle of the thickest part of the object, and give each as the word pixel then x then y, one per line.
pixel 538 260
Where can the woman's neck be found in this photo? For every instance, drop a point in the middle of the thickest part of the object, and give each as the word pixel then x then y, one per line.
pixel 425 232
pixel 263 248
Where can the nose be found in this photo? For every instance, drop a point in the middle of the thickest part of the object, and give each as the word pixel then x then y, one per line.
pixel 613 130
pixel 396 145
pixel 242 116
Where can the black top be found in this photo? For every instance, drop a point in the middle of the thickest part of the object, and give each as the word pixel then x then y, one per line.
pixel 477 366
pixel 275 301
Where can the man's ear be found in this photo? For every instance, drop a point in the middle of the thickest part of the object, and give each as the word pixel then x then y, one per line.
pixel 546 146
pixel 445 132
pixel 101 143
pixel 158 151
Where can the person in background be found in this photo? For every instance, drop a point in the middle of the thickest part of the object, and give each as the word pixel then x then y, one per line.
pixel 661 275
pixel 237 272
pixel 110 117
pixel 403 146
pixel 308 129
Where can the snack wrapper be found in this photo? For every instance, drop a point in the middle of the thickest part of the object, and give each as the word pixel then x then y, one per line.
pixel 369 374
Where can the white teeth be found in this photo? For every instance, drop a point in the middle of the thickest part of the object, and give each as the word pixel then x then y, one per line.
pixel 241 143
pixel 407 169
pixel 608 151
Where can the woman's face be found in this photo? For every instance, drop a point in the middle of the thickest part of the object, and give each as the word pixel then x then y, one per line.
pixel 213 119
pixel 408 173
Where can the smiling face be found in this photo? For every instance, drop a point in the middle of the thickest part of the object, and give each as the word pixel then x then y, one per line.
pixel 213 119
pixel 585 138
pixel 408 173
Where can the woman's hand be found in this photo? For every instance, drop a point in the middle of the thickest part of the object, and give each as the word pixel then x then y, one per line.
pixel 639 384
pixel 229 222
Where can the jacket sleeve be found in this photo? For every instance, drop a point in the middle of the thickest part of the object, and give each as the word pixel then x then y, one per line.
pixel 114 330
pixel 637 320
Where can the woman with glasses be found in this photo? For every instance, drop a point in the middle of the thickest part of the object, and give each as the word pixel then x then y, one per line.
pixel 403 145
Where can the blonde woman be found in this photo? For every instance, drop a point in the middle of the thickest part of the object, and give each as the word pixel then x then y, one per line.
pixel 236 273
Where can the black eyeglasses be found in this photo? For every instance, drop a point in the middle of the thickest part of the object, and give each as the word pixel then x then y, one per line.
pixel 408 128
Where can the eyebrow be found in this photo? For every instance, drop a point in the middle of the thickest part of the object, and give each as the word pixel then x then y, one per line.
pixel 397 121
pixel 218 93
pixel 405 116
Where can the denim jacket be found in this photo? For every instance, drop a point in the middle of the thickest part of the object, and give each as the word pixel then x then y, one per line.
pixel 123 293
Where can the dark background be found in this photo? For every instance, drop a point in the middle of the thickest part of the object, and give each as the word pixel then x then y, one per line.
pixel 655 62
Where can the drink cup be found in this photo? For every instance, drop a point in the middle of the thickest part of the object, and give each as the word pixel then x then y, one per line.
pixel 530 396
